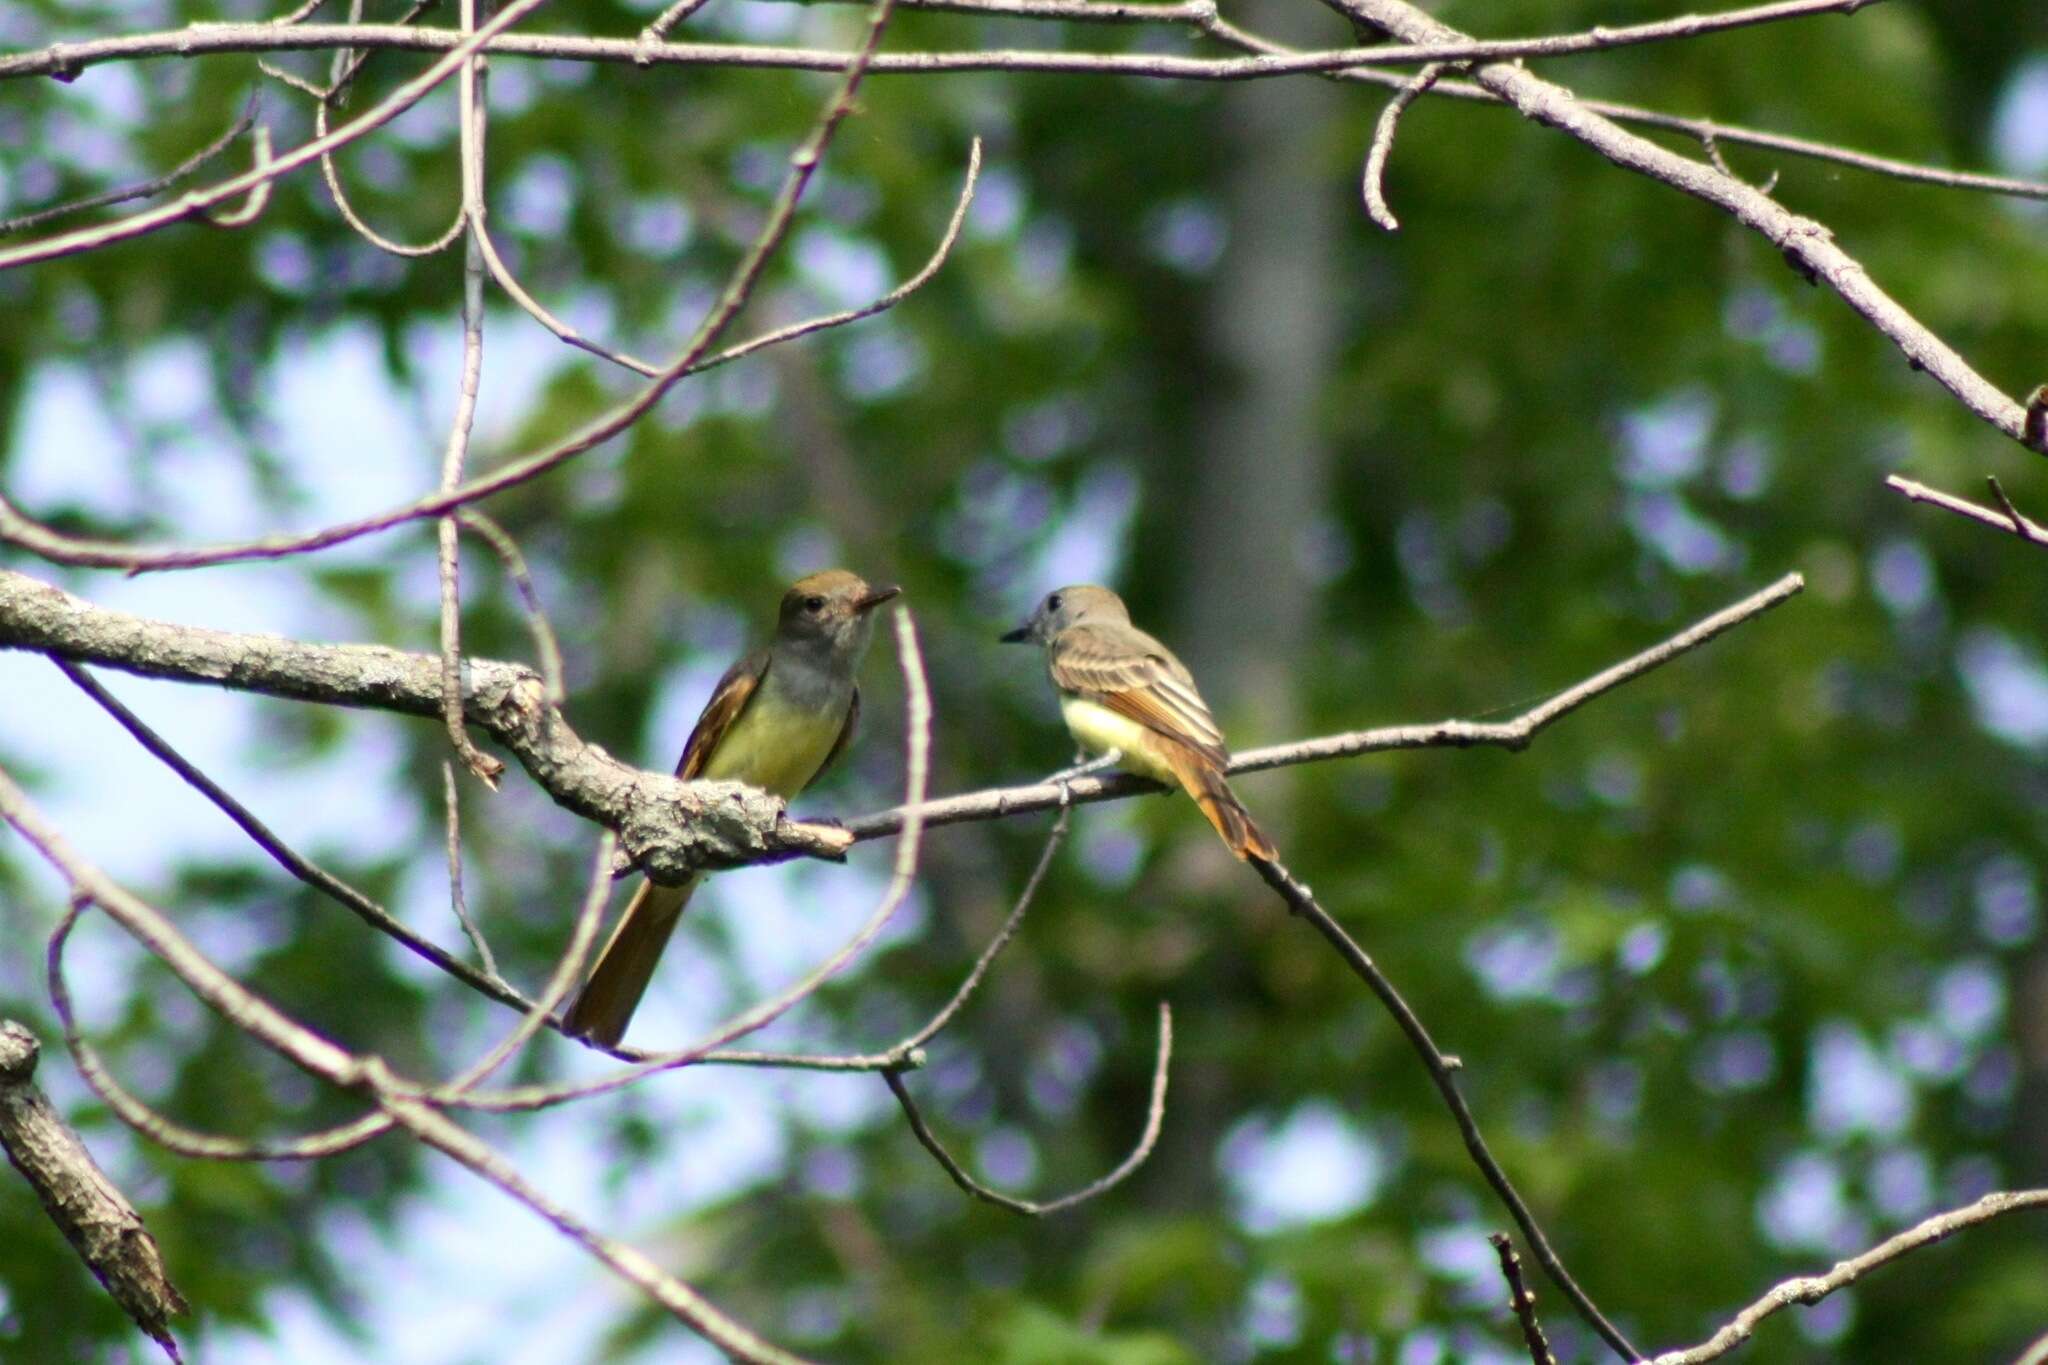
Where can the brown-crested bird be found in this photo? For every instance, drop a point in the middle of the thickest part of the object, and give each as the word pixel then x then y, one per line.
pixel 777 719
pixel 1123 692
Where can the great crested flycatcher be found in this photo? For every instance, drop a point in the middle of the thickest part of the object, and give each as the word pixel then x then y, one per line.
pixel 1123 692
pixel 777 719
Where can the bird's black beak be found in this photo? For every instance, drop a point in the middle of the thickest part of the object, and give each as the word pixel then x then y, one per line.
pixel 875 599
pixel 1021 635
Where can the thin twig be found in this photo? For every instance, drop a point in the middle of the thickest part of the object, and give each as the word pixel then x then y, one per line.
pixel 449 559
pixel 16 527
pixel 144 189
pixel 903 874
pixel 2006 517
pixel 1811 1289
pixel 160 1128
pixel 1442 1070
pixel 194 201
pixel 1155 1116
pixel 910 1045
pixel 259 198
pixel 371 913
pixel 269 1026
pixel 457 901
pixel 1383 146
pixel 1522 1300
pixel 68 58
pixel 547 652
pixel 1514 735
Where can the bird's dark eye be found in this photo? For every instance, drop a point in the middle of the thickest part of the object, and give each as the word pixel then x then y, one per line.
pixel 814 603
pixel 1052 603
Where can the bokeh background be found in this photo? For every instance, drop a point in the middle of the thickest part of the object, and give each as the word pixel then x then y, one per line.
pixel 1745 962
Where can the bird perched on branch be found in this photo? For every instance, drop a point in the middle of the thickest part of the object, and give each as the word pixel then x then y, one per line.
pixel 1126 697
pixel 776 720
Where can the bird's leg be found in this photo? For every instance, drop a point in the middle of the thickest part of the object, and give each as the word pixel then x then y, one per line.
pixel 1082 768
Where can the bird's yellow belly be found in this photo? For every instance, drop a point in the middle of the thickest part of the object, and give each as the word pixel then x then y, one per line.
pixel 1098 729
pixel 775 746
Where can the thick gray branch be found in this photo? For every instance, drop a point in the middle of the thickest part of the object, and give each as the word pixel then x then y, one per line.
pixel 669 827
pixel 101 1225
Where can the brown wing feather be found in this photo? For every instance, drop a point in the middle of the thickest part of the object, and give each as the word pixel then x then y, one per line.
pixel 728 699
pixel 1134 675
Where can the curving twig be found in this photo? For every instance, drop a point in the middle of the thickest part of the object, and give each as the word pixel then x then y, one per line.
pixel 143 189
pixel 195 201
pixel 1155 1116
pixel 1811 1289
pixel 564 332
pixel 1383 146
pixel 269 1026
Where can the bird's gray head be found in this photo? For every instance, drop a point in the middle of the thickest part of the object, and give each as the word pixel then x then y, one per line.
pixel 832 610
pixel 1078 604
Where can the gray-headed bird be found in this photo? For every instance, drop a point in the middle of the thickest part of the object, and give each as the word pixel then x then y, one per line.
pixel 777 719
pixel 1124 693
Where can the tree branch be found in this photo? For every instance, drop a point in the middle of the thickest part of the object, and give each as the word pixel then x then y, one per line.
pixel 1514 735
pixel 1441 1070
pixel 1811 1289
pixel 1806 244
pixel 1155 1116
pixel 671 828
pixel 99 1222
pixel 2004 517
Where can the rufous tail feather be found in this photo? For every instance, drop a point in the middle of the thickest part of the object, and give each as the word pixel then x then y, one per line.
pixel 606 1003
pixel 1211 790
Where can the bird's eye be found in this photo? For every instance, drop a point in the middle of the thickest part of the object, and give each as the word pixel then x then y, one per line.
pixel 1052 603
pixel 814 603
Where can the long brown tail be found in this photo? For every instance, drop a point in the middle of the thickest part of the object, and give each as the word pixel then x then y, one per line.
pixel 605 1005
pixel 1205 782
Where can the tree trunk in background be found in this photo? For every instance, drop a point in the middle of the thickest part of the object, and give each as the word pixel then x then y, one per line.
pixel 1260 471
pixel 1263 476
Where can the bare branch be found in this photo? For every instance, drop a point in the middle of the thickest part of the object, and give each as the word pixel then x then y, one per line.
pixel 471 115
pixel 266 1024
pixel 803 163
pixel 1707 132
pixel 64 59
pixel 194 201
pixel 548 653
pixel 1811 1289
pixel 259 198
pixel 671 828
pixel 1441 1070
pixel 2005 517
pixel 1383 145
pixel 1155 1116
pixel 1806 244
pixel 539 313
pixel 161 1129
pixel 903 873
pixel 142 190
pixel 1523 1300
pixel 99 1222
pixel 451 805
pixel 1514 735
pixel 371 913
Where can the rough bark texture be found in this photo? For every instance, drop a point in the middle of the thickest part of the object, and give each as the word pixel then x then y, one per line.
pixel 669 828
pixel 101 1225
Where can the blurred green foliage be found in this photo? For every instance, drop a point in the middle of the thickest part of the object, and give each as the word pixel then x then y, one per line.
pixel 1745 962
